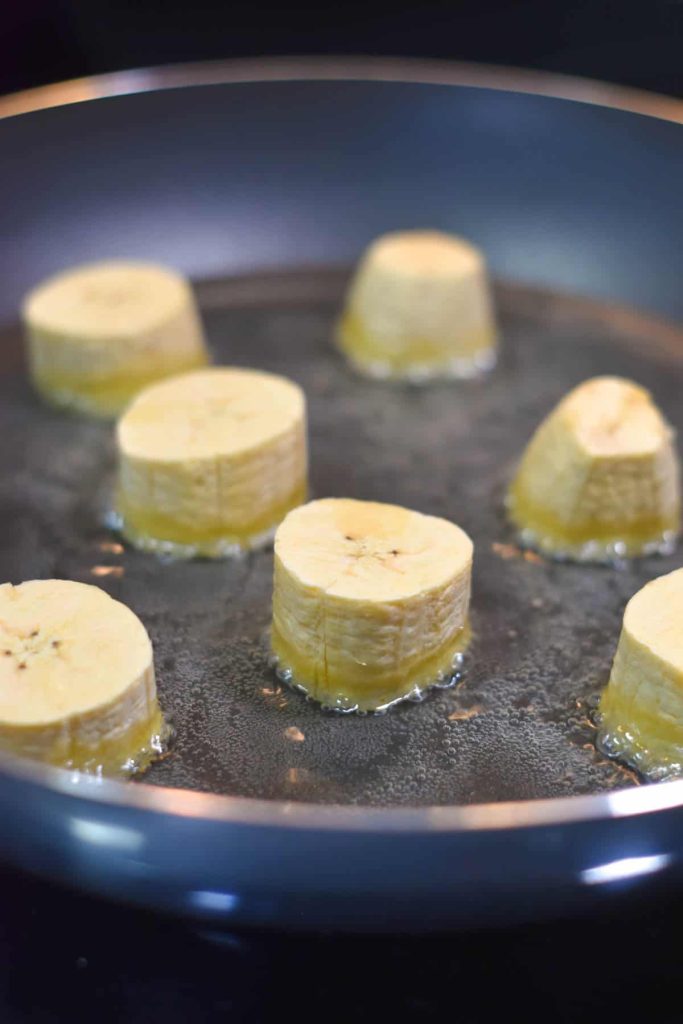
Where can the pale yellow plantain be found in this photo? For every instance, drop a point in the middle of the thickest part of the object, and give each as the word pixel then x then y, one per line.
pixel 600 476
pixel 370 601
pixel 77 682
pixel 419 307
pixel 99 333
pixel 642 707
pixel 211 461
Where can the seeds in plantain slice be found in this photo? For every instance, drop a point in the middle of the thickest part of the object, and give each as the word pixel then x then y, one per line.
pixel 370 601
pixel 77 685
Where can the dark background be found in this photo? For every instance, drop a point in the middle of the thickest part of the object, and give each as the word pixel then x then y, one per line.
pixel 634 43
pixel 68 959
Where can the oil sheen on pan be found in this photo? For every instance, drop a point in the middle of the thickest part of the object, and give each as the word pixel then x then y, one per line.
pixel 517 723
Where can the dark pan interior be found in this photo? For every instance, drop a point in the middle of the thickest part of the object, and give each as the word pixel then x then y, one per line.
pixel 518 724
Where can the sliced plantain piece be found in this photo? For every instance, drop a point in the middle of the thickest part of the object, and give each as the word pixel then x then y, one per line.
pixel 599 479
pixel 99 333
pixel 642 708
pixel 211 461
pixel 419 307
pixel 77 682
pixel 370 601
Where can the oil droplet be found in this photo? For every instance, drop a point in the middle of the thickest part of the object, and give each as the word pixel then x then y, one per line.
pixel 107 570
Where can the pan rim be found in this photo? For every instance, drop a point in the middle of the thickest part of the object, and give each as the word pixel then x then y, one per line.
pixel 265 813
pixel 407 70
pixel 249 811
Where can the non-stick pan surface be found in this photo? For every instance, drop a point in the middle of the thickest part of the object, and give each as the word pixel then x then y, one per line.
pixel 516 727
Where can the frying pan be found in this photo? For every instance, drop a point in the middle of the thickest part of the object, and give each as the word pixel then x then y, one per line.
pixel 488 802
